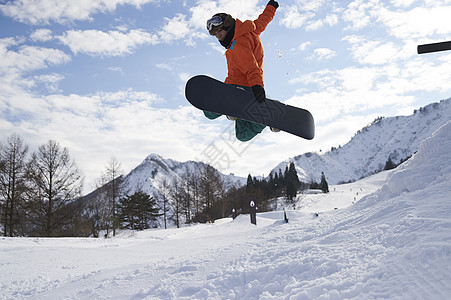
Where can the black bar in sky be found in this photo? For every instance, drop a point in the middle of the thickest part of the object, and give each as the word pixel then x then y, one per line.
pixel 427 48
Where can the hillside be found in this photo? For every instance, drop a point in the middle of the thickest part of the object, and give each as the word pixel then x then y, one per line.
pixel 154 170
pixel 368 151
pixel 393 243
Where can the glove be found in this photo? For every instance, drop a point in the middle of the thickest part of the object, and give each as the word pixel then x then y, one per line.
pixel 259 93
pixel 273 3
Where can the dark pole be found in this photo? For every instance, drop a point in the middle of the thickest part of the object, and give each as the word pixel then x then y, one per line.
pixel 253 212
pixel 285 216
pixel 435 47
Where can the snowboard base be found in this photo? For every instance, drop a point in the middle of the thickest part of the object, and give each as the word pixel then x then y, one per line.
pixel 212 95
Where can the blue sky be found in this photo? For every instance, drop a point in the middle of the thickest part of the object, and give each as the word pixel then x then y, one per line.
pixel 106 77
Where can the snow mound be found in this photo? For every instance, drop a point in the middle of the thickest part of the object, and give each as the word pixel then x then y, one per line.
pixel 430 166
pixel 428 171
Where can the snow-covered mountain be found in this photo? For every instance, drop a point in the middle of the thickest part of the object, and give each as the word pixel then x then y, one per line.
pixel 370 148
pixel 151 174
pixel 365 154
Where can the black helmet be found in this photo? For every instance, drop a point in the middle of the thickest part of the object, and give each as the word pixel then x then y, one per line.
pixel 220 21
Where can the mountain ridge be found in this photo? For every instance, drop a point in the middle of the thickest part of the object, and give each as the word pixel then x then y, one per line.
pixel 370 148
pixel 151 175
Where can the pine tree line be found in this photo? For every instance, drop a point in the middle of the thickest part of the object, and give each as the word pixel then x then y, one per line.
pixel 265 191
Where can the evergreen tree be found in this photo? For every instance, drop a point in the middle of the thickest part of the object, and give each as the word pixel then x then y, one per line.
pixel 324 186
pixel 292 181
pixel 314 185
pixel 249 184
pixel 285 174
pixel 291 190
pixel 281 178
pixel 293 175
pixel 389 164
pixel 276 184
pixel 138 211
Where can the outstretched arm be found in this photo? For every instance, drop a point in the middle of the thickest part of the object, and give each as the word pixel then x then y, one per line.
pixel 266 17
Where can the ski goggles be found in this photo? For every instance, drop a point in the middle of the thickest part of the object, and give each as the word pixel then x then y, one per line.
pixel 214 22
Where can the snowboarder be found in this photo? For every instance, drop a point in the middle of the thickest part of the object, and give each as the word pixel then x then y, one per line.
pixel 244 60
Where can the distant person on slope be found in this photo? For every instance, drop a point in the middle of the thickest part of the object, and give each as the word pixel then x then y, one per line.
pixel 244 59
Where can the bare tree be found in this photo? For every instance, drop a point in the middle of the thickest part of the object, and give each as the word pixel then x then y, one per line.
pixel 114 187
pixel 12 182
pixel 211 189
pixel 165 192
pixel 194 191
pixel 177 195
pixel 96 211
pixel 54 181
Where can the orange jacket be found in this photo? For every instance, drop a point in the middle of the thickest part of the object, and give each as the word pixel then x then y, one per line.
pixel 245 53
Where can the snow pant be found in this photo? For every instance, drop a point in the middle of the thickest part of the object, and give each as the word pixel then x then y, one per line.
pixel 244 130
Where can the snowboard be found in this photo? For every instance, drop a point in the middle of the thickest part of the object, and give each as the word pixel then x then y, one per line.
pixel 212 95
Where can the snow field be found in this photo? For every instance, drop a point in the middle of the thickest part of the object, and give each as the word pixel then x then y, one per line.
pixel 393 242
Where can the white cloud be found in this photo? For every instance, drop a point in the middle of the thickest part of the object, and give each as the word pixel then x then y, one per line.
pixel 175 28
pixel 312 15
pixel 359 13
pixel 242 10
pixel 322 54
pixel 374 52
pixel 304 46
pixel 356 90
pixel 117 69
pixel 330 20
pixel 28 58
pixel 188 27
pixel 311 5
pixel 17 61
pixel 50 81
pixel 295 19
pixel 41 35
pixel 184 77
pixel 128 96
pixel 164 66
pixel 402 3
pixel 403 20
pixel 417 23
pixel 62 11
pixel 112 43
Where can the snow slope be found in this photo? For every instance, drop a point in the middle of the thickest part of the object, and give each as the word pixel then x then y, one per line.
pixel 394 242
pixel 368 151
